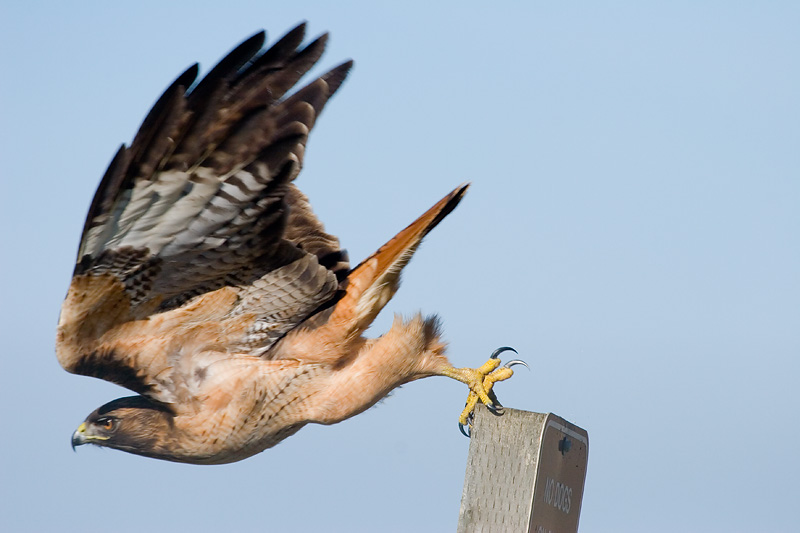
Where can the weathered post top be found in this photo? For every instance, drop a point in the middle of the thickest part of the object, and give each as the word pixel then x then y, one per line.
pixel 525 473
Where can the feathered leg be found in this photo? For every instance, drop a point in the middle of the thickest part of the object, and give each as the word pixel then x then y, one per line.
pixel 364 371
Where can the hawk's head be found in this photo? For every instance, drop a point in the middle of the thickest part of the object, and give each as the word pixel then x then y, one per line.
pixel 134 424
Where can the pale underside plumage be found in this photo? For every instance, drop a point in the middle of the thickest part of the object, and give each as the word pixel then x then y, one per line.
pixel 206 284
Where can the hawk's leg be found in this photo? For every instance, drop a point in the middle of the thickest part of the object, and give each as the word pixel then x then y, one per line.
pixel 410 350
pixel 480 381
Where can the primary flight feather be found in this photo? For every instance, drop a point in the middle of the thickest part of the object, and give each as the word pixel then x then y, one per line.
pixel 205 283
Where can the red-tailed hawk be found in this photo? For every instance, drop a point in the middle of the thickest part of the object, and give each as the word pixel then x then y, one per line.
pixel 205 283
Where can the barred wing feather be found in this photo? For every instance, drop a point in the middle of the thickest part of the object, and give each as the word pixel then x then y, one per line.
pixel 203 200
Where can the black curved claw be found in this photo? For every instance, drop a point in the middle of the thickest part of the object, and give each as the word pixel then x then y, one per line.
pixel 517 362
pixel 497 352
pixel 467 430
pixel 495 402
pixel 495 408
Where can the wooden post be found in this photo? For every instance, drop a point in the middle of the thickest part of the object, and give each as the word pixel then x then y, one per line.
pixel 525 473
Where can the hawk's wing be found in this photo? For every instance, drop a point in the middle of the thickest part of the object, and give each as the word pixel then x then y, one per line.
pixel 198 220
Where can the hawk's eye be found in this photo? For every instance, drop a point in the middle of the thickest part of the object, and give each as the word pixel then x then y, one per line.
pixel 106 423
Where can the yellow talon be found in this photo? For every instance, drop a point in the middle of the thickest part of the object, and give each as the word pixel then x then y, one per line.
pixel 472 401
pixel 480 382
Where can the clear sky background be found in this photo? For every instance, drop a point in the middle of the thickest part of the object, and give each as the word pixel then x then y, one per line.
pixel 633 230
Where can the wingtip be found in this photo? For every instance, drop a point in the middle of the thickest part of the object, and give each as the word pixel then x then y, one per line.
pixel 187 77
pixel 257 39
pixel 316 47
pixel 336 76
pixel 300 28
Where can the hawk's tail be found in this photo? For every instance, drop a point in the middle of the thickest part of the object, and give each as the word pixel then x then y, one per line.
pixel 373 283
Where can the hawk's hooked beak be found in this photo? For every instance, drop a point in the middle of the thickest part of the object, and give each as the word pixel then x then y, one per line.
pixel 81 437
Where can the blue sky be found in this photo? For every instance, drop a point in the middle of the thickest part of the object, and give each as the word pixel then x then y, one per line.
pixel 632 230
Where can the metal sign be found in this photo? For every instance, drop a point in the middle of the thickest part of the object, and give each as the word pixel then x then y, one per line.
pixel 560 477
pixel 525 474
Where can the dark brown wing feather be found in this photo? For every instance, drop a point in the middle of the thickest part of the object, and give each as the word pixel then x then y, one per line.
pixel 203 200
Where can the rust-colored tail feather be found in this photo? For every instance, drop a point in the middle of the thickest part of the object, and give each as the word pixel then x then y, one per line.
pixel 373 283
